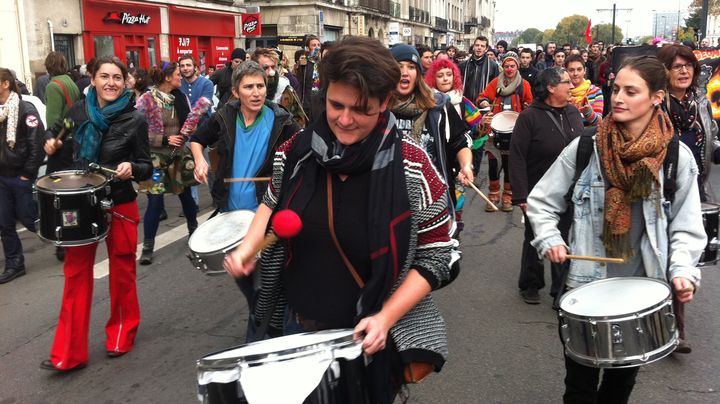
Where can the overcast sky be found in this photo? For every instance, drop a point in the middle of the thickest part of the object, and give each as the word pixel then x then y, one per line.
pixel 513 15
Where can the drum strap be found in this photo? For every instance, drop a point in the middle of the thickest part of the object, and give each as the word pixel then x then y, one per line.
pixel 123 217
pixel 559 127
pixel 331 225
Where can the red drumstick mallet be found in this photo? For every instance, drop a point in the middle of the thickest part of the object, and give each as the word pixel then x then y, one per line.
pixel 286 224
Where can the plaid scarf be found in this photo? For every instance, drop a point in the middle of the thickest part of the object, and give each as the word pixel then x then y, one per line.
pixel 632 166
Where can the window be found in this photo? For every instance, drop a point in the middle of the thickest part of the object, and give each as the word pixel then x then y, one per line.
pixel 64 45
pixel 104 45
pixel 152 52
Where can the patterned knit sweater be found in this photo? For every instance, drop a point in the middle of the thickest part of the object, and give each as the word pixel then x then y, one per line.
pixel 420 335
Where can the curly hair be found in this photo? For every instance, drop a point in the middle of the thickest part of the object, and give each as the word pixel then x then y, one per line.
pixel 438 65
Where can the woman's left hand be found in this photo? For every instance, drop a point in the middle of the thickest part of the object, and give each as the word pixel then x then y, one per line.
pixel 375 329
pixel 466 175
pixel 123 171
pixel 684 289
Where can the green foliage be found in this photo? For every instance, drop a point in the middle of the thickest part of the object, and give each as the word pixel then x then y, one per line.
pixel 713 7
pixel 548 36
pixel 603 32
pixel 687 34
pixel 571 30
pixel 694 20
pixel 646 39
pixel 530 35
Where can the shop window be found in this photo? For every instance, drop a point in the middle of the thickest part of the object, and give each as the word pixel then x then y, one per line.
pixel 104 46
pixel 64 45
pixel 152 49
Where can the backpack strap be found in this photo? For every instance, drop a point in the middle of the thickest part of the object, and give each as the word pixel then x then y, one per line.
pixel 670 168
pixel 65 93
pixel 582 158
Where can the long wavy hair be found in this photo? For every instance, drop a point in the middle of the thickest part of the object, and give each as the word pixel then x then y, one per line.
pixel 438 65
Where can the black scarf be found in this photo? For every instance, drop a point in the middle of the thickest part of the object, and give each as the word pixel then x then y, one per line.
pixel 317 151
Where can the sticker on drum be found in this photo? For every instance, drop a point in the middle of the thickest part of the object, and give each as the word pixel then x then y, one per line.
pixel 287 369
pixel 618 322
pixel 212 239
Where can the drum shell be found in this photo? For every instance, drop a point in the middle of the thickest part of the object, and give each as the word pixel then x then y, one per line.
pixel 501 140
pixel 711 214
pixel 211 263
pixel 92 224
pixel 343 383
pixel 620 341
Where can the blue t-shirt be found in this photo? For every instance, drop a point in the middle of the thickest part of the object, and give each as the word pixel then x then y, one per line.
pixel 251 145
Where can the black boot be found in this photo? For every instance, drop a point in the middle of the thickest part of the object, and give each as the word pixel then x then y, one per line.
pixel 163 215
pixel 60 253
pixel 11 273
pixel 191 228
pixel 147 252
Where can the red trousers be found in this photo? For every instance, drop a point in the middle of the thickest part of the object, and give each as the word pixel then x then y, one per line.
pixel 70 347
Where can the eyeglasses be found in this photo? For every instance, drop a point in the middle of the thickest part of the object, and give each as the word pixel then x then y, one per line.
pixel 565 81
pixel 678 68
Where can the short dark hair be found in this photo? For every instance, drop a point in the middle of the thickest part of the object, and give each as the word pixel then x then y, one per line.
pixel 574 58
pixel 186 57
pixel 7 75
pixel 548 77
pixel 363 63
pixel 141 79
pixel 55 64
pixel 422 49
pixel 650 69
pixel 113 60
pixel 668 53
pixel 560 50
pixel 309 38
pixel 527 50
pixel 481 38
pixel 248 68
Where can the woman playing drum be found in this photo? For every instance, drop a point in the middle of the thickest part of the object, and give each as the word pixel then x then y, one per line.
pixel 691 116
pixel 620 211
pixel 507 92
pixel 109 132
pixel 374 242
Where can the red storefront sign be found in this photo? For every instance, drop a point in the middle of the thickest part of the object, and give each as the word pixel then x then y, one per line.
pixel 251 25
pixel 205 35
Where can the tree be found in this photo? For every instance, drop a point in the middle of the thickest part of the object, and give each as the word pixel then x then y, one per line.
pixel 713 6
pixel 538 38
pixel 694 20
pixel 527 36
pixel 547 36
pixel 646 39
pixel 571 30
pixel 687 34
pixel 603 32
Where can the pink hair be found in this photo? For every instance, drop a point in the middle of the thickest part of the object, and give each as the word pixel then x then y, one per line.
pixel 438 65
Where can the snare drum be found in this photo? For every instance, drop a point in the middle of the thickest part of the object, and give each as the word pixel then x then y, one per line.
pixel 618 322
pixel 502 125
pixel 72 207
pixel 710 212
pixel 324 367
pixel 216 237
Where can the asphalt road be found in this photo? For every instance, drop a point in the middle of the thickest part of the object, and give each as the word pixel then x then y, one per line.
pixel 501 350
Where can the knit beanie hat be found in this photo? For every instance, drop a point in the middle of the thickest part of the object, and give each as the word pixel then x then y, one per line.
pixel 403 53
pixel 510 55
pixel 238 53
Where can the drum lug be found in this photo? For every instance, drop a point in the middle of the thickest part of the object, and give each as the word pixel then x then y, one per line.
pixel 95 229
pixel 58 232
pixel 714 244
pixel 56 202
pixel 106 204
pixel 93 200
pixel 565 332
pixel 617 336
pixel 672 322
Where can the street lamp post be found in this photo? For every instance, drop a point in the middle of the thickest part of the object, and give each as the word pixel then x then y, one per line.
pixel 664 25
pixel 655 25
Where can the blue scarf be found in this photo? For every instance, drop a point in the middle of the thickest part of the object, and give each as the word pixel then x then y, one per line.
pixel 89 134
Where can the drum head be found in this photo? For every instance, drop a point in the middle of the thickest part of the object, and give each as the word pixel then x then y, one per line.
pixel 504 121
pixel 287 345
pixel 710 207
pixel 221 232
pixel 614 297
pixel 70 181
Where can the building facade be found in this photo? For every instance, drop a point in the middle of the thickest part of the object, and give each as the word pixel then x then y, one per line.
pixel 144 32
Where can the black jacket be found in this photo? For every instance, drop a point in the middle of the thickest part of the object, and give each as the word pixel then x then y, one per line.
pixel 529 73
pixel 536 142
pixel 476 74
pixel 25 158
pixel 221 128
pixel 223 80
pixel 309 102
pixel 125 140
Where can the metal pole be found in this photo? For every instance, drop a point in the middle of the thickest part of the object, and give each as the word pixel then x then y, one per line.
pixel 613 26
pixel 703 20
pixel 655 34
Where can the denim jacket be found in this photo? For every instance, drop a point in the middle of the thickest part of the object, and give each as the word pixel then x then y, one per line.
pixel 674 235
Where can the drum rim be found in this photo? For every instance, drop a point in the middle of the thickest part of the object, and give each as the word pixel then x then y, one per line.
pixel 714 207
pixel 76 243
pixel 223 249
pixel 649 309
pixel 630 361
pixel 502 114
pixel 275 356
pixel 70 191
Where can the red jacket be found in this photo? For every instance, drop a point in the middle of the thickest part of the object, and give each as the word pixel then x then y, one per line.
pixel 521 98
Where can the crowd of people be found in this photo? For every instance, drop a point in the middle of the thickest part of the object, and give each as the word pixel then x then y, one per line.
pixel 373 148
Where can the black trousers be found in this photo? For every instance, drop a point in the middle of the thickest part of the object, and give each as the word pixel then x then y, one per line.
pixel 581 384
pixel 532 267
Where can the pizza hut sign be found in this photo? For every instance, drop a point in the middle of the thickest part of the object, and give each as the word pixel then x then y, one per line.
pixel 251 25
pixel 125 18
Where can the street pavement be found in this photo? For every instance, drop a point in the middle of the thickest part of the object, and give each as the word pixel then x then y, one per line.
pixel 501 349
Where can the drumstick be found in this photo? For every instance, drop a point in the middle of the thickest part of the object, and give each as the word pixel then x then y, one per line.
pixel 495 208
pixel 67 125
pixel 248 179
pixel 596 259
pixel 96 166
pixel 286 224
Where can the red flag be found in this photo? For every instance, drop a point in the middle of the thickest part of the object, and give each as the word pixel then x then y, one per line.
pixel 588 32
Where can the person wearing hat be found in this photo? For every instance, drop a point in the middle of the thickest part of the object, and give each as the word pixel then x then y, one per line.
pixel 429 118
pixel 507 92
pixel 223 77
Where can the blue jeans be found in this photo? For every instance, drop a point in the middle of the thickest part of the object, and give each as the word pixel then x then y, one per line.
pixel 156 203
pixel 16 204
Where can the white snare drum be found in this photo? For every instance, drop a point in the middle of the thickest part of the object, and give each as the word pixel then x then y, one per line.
pixel 216 237
pixel 324 367
pixel 618 322
pixel 502 125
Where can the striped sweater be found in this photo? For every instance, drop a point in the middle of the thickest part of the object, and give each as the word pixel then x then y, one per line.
pixel 420 335
pixel 594 95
